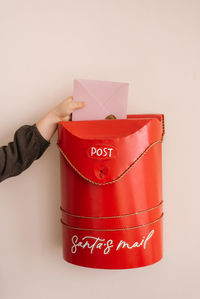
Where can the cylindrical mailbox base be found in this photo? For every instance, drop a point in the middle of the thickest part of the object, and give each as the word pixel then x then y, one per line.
pixel 113 249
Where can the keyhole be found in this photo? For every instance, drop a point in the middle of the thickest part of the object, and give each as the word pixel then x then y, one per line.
pixel 101 172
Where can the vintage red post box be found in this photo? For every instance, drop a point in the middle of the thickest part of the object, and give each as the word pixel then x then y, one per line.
pixel 111 189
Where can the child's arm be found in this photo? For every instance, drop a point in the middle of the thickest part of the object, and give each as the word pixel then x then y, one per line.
pixel 27 146
pixel 30 141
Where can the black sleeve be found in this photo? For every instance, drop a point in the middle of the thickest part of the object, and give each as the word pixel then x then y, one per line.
pixel 27 146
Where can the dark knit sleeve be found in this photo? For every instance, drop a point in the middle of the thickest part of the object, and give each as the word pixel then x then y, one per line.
pixel 28 145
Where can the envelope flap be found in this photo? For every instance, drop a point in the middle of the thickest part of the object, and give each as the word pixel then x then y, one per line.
pixel 101 151
pixel 101 91
pixel 102 98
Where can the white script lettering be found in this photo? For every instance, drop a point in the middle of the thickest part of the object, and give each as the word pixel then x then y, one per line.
pixel 93 243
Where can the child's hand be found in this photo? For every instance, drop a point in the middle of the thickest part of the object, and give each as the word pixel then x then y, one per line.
pixel 62 112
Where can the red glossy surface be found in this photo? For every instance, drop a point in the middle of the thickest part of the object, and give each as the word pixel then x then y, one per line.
pixel 101 151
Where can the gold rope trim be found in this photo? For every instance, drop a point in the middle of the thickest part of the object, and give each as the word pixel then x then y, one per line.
pixel 115 180
pixel 118 229
pixel 123 173
pixel 107 217
pixel 163 127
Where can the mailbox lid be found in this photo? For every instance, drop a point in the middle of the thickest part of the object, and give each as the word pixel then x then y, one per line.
pixel 103 150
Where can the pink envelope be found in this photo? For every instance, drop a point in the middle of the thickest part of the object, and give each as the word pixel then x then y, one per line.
pixel 102 99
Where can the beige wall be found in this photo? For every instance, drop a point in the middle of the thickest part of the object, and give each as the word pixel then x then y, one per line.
pixel 154 45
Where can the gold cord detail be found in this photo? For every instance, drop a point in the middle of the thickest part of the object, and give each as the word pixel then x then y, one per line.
pixel 118 178
pixel 108 217
pixel 117 229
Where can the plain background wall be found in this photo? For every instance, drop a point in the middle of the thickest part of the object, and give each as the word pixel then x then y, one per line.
pixel 154 45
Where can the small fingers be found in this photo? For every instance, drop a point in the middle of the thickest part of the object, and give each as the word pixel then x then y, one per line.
pixel 76 105
pixel 69 99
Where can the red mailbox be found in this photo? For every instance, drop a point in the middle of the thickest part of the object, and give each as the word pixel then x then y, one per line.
pixel 111 187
